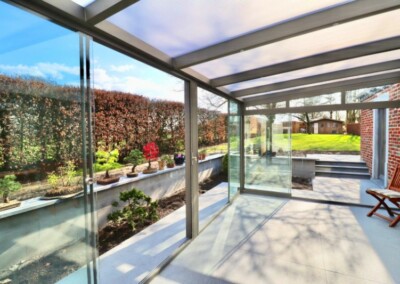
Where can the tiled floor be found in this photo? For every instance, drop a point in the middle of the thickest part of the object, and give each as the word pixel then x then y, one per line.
pixel 340 189
pixel 271 240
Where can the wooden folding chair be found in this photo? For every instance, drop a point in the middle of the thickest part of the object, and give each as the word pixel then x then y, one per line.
pixel 392 194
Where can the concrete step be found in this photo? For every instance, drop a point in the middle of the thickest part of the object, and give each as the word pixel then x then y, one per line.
pixel 340 174
pixel 340 163
pixel 331 168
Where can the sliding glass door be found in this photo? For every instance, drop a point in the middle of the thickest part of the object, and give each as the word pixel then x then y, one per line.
pixel 267 146
pixel 46 222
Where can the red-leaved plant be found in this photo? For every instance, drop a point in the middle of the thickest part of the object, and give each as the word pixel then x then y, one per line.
pixel 150 152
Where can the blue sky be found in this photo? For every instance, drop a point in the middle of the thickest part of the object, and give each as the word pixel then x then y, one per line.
pixel 33 46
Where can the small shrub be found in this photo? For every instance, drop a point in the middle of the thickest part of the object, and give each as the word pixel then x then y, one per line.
pixel 106 160
pixel 140 209
pixel 8 185
pixel 65 177
pixel 136 158
pixel 225 163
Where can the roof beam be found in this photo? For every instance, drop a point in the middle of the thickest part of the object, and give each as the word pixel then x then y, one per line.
pixel 356 71
pixel 100 10
pixel 298 26
pixel 319 108
pixel 310 61
pixel 347 85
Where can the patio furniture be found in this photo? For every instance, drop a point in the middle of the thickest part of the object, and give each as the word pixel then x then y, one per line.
pixel 392 194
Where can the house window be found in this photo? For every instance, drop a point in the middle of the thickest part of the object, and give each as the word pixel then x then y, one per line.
pixel 328 124
pixel 322 125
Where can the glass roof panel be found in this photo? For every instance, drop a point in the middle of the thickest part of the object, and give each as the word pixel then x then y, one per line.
pixel 340 36
pixel 177 27
pixel 321 69
pixel 325 82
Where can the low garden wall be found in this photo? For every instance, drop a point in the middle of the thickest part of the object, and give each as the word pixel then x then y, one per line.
pixel 62 222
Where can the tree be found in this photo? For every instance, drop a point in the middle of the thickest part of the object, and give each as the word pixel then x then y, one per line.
pixel 135 157
pixel 150 151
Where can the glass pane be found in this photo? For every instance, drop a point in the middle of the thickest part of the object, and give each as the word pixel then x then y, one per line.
pixel 140 118
pixel 268 153
pixel 234 150
pixel 45 237
pixel 213 153
pixel 328 99
pixel 179 26
pixel 364 30
pixel 365 95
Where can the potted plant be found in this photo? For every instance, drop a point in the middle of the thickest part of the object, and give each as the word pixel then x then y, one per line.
pixel 179 159
pixel 106 160
pixel 150 151
pixel 64 183
pixel 8 185
pixel 202 154
pixel 170 162
pixel 136 158
pixel 162 162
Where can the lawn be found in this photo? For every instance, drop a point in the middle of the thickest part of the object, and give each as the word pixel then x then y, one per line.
pixel 325 142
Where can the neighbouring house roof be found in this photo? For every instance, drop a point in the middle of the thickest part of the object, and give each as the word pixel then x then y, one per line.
pixel 326 119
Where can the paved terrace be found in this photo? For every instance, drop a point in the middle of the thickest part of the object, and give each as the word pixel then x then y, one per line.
pixel 271 240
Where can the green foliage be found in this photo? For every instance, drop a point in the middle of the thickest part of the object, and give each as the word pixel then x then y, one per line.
pixel 169 160
pixel 106 159
pixel 139 211
pixel 324 142
pixel 225 163
pixel 9 184
pixel 165 158
pixel 64 177
pixel 135 157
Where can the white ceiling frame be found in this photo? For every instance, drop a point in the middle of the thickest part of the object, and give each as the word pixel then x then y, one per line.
pixel 319 108
pixel 356 71
pixel 351 52
pixel 291 28
pixel 347 85
pixel 100 10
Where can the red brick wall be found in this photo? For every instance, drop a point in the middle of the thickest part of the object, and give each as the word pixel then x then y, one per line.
pixel 394 131
pixel 367 134
pixel 366 124
pixel 353 128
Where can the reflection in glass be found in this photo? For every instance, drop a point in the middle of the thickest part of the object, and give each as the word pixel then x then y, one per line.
pixel 234 149
pixel 268 153
pixel 45 238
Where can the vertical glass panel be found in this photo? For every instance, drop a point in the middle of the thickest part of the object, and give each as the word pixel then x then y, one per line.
pixel 268 153
pixel 213 153
pixel 44 222
pixel 234 149
pixel 140 121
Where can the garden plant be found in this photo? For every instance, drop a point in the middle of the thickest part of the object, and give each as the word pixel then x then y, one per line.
pixel 135 157
pixel 140 211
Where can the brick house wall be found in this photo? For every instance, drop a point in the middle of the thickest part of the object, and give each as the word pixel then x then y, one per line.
pixel 367 132
pixel 353 128
pixel 394 131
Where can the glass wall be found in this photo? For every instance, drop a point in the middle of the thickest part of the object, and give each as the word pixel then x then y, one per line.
pixel 45 221
pixel 140 122
pixel 268 153
pixel 213 158
pixel 234 148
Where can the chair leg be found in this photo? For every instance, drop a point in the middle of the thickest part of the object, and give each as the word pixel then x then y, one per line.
pixel 377 206
pixel 395 221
